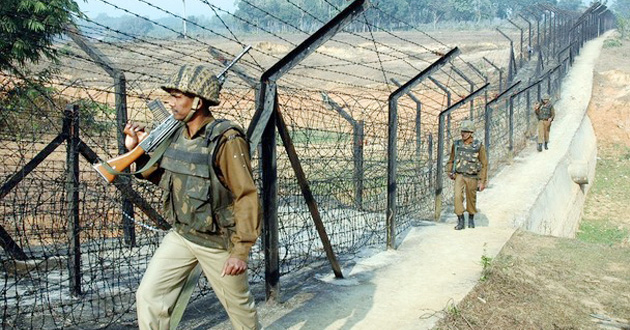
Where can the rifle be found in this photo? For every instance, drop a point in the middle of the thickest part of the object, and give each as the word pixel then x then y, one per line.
pixel 155 139
pixel 455 144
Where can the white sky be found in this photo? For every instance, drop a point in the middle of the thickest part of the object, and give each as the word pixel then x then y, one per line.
pixel 193 7
pixel 93 8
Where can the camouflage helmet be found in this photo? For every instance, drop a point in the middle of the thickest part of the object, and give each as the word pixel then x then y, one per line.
pixel 195 79
pixel 467 126
pixel 546 96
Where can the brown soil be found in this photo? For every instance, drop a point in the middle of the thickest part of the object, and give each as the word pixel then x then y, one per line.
pixel 540 282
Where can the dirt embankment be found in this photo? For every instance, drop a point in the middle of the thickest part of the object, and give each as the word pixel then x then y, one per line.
pixel 539 282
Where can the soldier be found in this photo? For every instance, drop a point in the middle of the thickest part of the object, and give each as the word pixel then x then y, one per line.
pixel 211 201
pixel 545 114
pixel 468 166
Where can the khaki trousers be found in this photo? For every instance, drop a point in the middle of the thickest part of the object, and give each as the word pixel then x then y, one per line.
pixel 543 130
pixel 165 276
pixel 465 185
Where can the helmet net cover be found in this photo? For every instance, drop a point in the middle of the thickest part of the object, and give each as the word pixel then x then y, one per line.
pixel 195 79
pixel 467 126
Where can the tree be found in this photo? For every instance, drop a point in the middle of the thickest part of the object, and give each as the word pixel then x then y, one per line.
pixel 469 10
pixel 573 5
pixel 135 26
pixel 438 8
pixel 622 8
pixel 28 29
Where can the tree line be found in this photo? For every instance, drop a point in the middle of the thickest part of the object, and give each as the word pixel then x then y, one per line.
pixel 252 16
pixel 29 27
pixel 307 15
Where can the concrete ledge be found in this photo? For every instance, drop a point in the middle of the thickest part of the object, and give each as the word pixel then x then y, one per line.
pixel 564 171
pixel 558 209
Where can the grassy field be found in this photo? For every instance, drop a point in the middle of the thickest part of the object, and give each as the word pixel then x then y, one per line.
pixel 606 211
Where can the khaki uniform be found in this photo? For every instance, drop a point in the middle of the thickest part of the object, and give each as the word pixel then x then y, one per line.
pixel 215 215
pixel 544 112
pixel 471 168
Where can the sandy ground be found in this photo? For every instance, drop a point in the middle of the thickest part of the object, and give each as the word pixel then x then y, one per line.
pixel 434 266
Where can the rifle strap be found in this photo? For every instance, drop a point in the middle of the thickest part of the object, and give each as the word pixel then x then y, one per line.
pixel 454 169
pixel 157 154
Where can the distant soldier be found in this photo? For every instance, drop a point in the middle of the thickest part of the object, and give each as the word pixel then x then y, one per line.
pixel 468 166
pixel 211 200
pixel 545 113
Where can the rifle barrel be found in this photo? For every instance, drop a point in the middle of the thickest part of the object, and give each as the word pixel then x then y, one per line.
pixel 221 76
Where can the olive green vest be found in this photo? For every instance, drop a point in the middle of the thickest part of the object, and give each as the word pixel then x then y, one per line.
pixel 545 111
pixel 467 158
pixel 196 201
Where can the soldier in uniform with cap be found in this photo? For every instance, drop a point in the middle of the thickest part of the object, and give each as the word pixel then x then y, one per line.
pixel 468 166
pixel 545 114
pixel 210 199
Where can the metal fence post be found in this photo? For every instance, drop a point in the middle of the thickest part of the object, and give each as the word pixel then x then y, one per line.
pixel 268 159
pixel 71 122
pixel 471 84
pixel 512 66
pixel 485 80
pixel 357 149
pixel 500 73
pixel 449 101
pixel 511 126
pixel 266 107
pixel 520 62
pixel 418 119
pixel 357 155
pixel 121 118
pixel 392 140
pixel 488 115
pixel 430 152
pixel 529 40
pixel 528 106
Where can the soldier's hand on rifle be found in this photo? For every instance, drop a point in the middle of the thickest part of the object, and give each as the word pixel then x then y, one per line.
pixel 481 186
pixel 134 134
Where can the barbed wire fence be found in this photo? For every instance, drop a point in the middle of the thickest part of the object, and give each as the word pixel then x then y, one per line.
pixel 75 248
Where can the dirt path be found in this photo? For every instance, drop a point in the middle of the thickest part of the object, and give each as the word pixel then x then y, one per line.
pixel 435 266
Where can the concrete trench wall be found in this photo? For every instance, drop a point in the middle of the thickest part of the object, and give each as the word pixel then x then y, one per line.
pixel 558 209
pixel 566 171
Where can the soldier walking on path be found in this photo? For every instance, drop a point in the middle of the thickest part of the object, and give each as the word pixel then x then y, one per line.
pixel 468 166
pixel 211 201
pixel 545 114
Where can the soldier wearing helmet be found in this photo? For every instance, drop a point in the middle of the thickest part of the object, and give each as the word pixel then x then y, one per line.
pixel 545 114
pixel 468 166
pixel 210 199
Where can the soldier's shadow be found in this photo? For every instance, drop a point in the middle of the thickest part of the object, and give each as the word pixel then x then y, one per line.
pixel 333 304
pixel 448 216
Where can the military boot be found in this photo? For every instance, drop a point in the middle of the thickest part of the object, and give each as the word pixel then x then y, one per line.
pixel 539 147
pixel 460 222
pixel 471 221
pixel 546 146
